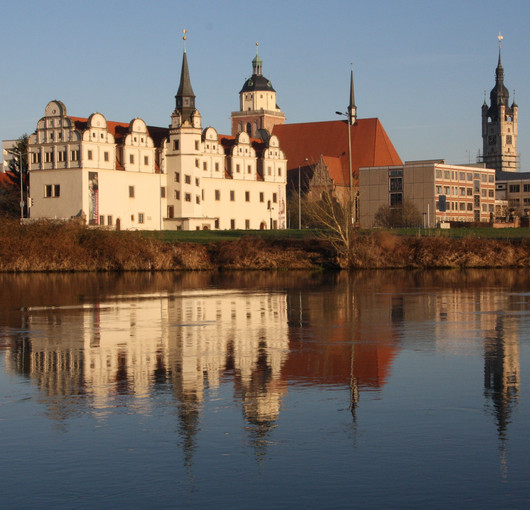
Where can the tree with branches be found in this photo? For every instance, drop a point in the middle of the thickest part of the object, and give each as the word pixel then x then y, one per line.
pixel 17 165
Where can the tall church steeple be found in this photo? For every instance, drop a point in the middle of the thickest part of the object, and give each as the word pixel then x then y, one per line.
pixel 352 109
pixel 499 125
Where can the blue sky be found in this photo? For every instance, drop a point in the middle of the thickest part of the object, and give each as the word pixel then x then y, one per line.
pixel 420 66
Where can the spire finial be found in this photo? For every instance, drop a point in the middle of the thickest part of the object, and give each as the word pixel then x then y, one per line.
pixel 184 37
pixel 257 44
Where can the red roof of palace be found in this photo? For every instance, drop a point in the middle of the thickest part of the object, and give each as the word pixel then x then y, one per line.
pixel 370 146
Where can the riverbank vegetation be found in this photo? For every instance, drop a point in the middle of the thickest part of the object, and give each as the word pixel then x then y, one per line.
pixel 51 246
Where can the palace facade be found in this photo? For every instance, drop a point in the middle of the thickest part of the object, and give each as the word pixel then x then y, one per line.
pixel 134 176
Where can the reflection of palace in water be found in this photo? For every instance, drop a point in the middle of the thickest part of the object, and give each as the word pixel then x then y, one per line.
pixel 191 335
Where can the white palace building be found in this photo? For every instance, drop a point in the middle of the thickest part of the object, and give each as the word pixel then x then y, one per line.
pixel 134 176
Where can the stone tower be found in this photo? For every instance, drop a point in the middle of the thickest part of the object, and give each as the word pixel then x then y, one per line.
pixel 257 104
pixel 499 126
pixel 183 152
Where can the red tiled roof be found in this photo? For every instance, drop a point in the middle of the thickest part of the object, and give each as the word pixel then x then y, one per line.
pixel 120 129
pixel 371 146
pixel 5 181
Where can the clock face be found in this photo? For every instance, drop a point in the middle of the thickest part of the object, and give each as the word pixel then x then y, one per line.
pixel 492 139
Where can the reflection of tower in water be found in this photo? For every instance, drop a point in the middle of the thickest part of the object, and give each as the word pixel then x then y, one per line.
pixel 501 376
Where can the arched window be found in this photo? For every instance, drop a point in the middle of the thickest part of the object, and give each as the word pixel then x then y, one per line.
pixel 249 128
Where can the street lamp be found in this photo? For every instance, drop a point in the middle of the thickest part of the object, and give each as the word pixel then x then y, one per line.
pixel 349 119
pixel 299 200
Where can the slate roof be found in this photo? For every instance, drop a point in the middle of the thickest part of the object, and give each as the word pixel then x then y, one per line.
pixel 370 145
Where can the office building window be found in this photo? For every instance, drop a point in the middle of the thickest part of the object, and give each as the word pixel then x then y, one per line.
pixel 140 217
pixel 131 191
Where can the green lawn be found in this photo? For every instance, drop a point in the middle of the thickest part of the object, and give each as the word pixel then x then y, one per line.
pixel 212 236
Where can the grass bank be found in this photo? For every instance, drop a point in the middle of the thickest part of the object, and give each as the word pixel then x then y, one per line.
pixel 50 246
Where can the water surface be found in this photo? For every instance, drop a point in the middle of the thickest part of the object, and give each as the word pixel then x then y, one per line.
pixel 261 390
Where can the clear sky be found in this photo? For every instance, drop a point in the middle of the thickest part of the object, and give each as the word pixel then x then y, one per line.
pixel 421 66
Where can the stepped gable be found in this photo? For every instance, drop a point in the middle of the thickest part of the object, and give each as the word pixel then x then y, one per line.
pixel 370 144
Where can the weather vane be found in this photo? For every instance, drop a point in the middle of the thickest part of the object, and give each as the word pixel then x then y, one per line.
pixel 500 38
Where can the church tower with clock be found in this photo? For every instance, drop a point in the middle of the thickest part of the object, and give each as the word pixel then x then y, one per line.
pixel 499 126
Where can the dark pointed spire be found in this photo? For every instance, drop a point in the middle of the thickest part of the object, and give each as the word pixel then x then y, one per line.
pixel 352 109
pixel 499 95
pixel 185 97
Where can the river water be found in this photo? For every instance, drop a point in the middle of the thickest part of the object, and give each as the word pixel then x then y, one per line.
pixel 265 390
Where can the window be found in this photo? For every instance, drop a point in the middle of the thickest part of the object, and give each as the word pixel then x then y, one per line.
pixel 131 191
pixel 131 159
pixel 197 182
pixel 396 184
pixel 89 155
pixel 469 192
pixel 170 211
pixel 187 197
pixel 238 168
pixel 177 177
pixel 247 224
pixel 469 206
pixel 216 223
pixel 274 197
pixel 268 170
pixel 62 155
pixel 438 174
pixel 491 193
pixel 187 179
pixel 57 190
pixel 232 195
pixel 196 145
pixel 132 217
pixel 249 169
pixel 75 155
pixel 48 157
pixel 197 199
pixel 484 193
pixel 447 174
pixel 146 160
pixel 102 220
pixel 232 224
pixel 204 165
pixel 446 189
pixel 162 192
pixel 109 220
pixel 462 176
pixel 463 192
pixel 217 194
pixel 48 190
pixel 279 171
pixel 261 198
pixel 197 162
pixel 202 194
pixel 515 188
pixel 217 167
pixel 462 206
pixel 106 156
pixel 396 199
pixel 491 178
pixel 175 145
pixel 469 176
pixel 140 217
pixel 438 189
pixel 247 196
pixel 483 177
pixel 176 194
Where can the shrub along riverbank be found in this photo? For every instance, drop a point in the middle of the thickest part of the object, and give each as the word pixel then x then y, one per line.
pixel 49 246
